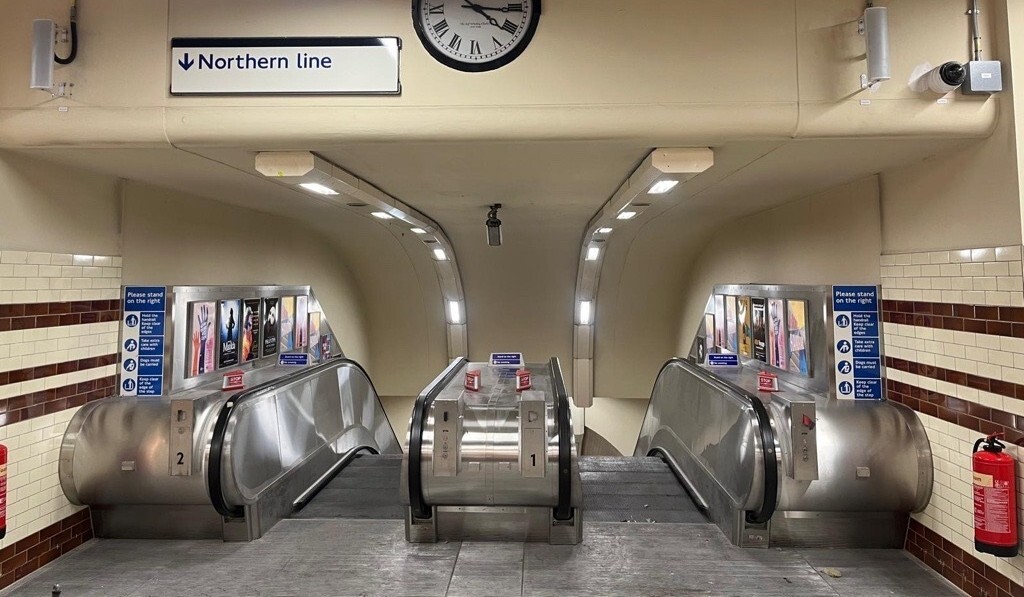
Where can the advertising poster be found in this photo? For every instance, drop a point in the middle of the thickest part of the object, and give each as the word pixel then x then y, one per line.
pixel 732 343
pixel 719 321
pixel 743 321
pixel 798 337
pixel 286 323
pixel 325 347
pixel 202 339
pixel 777 340
pixel 709 330
pixel 270 327
pixel 301 313
pixel 760 328
pixel 228 330
pixel 250 330
pixel 314 335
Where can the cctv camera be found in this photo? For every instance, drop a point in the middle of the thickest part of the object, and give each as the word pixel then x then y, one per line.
pixel 946 77
pixel 493 226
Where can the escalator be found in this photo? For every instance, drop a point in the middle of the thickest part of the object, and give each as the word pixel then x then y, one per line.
pixel 314 443
pixel 788 468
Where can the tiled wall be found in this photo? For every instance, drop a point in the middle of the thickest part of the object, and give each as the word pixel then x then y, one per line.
pixel 59 318
pixel 954 338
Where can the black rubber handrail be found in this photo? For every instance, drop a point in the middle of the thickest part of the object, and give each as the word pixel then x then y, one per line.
pixel 770 497
pixel 214 462
pixel 417 503
pixel 563 416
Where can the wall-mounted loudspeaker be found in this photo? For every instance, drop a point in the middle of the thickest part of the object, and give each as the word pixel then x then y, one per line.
pixel 875 28
pixel 44 33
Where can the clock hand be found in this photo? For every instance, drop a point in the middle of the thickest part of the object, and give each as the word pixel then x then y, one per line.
pixel 501 9
pixel 480 9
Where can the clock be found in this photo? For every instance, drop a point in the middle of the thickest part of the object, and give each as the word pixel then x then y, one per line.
pixel 475 35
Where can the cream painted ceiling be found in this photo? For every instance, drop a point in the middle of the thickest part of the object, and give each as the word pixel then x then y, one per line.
pixel 546 184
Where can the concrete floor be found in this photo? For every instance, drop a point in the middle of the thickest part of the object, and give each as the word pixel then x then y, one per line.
pixel 370 557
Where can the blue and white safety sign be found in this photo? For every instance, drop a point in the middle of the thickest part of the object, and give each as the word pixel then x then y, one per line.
pixel 723 360
pixel 507 359
pixel 142 341
pixel 272 65
pixel 858 345
pixel 295 359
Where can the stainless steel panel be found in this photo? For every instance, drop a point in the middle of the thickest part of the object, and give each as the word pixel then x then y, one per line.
pixel 712 438
pixel 489 445
pixel 447 429
pixel 180 437
pixel 277 443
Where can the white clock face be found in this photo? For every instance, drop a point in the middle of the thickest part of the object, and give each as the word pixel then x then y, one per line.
pixel 475 35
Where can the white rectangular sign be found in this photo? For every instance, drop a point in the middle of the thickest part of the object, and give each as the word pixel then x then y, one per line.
pixel 285 65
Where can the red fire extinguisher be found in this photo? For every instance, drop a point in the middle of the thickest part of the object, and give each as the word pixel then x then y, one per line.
pixel 995 498
pixel 3 491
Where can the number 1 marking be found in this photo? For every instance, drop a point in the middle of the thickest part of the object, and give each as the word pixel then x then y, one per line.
pixel 533 460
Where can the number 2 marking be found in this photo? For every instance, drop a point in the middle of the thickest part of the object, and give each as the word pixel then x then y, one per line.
pixel 181 458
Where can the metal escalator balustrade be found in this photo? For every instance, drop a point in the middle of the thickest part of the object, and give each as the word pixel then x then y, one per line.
pixel 257 455
pixel 493 464
pixel 744 459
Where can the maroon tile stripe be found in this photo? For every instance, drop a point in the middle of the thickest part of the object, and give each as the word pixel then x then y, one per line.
pixel 973 416
pixel 38 549
pixel 981 319
pixel 30 373
pixel 961 568
pixel 29 316
pixel 37 404
pixel 987 384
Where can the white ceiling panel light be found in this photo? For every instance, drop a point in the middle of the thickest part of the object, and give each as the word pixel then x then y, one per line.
pixel 647 192
pixel 315 175
pixel 319 189
pixel 662 186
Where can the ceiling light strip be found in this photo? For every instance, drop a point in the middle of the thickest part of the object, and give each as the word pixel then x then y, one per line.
pixel 653 181
pixel 324 179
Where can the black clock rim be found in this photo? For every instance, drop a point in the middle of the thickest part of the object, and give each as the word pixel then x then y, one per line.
pixel 476 67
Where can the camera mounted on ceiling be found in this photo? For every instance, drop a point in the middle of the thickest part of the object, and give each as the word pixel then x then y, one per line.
pixel 493 226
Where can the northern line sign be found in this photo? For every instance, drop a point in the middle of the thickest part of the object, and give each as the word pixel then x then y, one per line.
pixel 285 65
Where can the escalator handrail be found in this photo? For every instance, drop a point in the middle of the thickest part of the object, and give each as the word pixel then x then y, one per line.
pixel 419 417
pixel 563 416
pixel 214 467
pixel 770 497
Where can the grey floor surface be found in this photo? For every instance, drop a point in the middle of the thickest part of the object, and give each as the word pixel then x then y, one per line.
pixel 313 557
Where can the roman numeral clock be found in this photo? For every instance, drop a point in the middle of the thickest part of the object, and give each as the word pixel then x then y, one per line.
pixel 475 35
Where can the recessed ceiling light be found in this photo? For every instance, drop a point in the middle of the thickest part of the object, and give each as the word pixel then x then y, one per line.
pixel 319 189
pixel 604 230
pixel 626 215
pixel 454 312
pixel 380 215
pixel 662 186
pixel 417 231
pixel 440 255
pixel 593 253
pixel 585 312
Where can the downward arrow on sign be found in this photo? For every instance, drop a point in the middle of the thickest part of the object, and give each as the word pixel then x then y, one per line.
pixel 186 63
